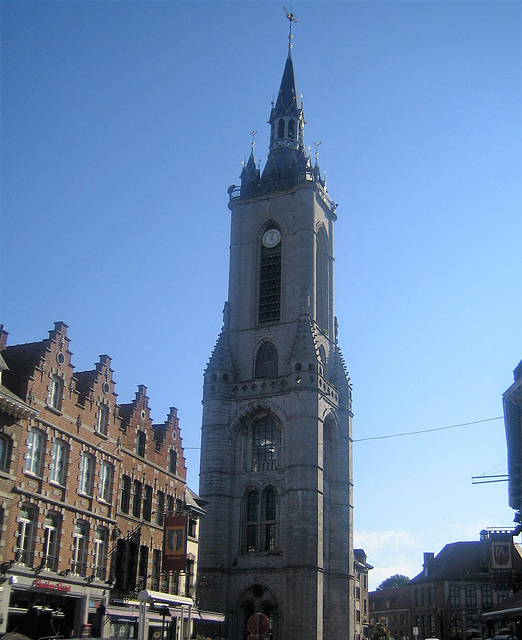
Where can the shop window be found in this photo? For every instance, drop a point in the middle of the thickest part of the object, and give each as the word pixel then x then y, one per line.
pixel 156 570
pixel 143 567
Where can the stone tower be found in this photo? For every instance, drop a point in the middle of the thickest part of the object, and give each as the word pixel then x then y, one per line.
pixel 276 455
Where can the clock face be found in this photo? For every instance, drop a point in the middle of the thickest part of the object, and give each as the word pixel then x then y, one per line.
pixel 271 238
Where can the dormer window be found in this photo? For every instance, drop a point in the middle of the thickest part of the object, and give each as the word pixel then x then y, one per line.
pixel 103 418
pixel 140 444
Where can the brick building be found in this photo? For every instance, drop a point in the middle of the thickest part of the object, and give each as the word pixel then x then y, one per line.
pixel 456 587
pixel 85 486
pixel 361 594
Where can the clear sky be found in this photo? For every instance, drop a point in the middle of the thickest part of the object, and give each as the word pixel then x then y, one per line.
pixel 124 123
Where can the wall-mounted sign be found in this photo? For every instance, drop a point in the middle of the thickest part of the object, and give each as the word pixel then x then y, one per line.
pixel 53 586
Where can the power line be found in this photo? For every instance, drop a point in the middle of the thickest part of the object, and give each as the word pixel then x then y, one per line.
pixel 413 433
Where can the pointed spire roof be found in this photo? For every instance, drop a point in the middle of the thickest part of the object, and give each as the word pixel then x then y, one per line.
pixel 287 103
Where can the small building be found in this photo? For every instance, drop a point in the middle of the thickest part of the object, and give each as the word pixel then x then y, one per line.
pixel 86 488
pixel 361 593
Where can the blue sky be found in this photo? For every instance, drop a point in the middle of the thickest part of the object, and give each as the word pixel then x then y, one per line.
pixel 124 123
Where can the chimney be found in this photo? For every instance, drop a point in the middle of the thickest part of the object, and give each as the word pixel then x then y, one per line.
pixel 3 337
pixel 428 557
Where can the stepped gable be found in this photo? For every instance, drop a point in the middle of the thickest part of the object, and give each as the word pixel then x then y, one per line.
pixel 25 361
pixel 89 382
pixel 170 427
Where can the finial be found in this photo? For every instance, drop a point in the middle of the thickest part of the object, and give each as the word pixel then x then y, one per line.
pixel 291 19
pixel 253 143
pixel 317 151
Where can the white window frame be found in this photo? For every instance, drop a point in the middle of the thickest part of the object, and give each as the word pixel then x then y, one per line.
pixel 103 418
pixel 80 548
pixel 106 478
pixel 51 536
pixel 101 544
pixel 55 393
pixel 35 452
pixel 86 474
pixel 26 531
pixel 59 462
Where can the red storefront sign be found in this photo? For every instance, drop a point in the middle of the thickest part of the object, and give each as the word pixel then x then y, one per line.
pixel 53 586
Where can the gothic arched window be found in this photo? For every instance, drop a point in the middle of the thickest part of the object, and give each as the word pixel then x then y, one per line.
pixel 281 128
pixel 270 276
pixel 269 518
pixel 259 520
pixel 266 361
pixel 264 444
pixel 291 129
pixel 322 280
pixel 251 521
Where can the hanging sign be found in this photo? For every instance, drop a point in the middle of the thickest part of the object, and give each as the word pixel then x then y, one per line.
pixel 175 542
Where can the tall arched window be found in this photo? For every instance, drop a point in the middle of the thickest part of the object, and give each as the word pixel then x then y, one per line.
pixel 321 282
pixel 251 521
pixel 270 276
pixel 281 128
pixel 259 520
pixel 264 444
pixel 269 518
pixel 266 361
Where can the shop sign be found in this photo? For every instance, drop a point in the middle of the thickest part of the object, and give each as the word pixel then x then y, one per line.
pixel 53 586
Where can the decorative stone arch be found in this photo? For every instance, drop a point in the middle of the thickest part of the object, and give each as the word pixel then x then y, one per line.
pixel 257 598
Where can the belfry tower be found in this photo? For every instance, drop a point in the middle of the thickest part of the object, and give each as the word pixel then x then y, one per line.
pixel 276 455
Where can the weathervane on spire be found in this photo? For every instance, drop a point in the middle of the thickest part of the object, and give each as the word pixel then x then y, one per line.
pixel 291 19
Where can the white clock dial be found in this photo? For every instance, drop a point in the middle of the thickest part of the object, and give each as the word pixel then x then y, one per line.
pixel 271 238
